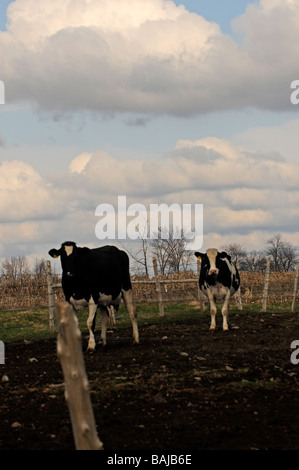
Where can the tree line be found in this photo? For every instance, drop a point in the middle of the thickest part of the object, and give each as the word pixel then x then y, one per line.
pixel 17 267
pixel 283 255
pixel 173 255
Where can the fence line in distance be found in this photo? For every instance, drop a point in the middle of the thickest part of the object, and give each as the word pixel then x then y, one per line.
pixel 159 299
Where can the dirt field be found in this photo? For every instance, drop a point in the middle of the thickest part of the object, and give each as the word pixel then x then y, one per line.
pixel 183 388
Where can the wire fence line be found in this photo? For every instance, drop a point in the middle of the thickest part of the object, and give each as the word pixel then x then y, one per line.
pixel 32 292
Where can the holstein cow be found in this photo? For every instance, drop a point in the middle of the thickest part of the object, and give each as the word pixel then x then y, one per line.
pixel 219 279
pixel 99 278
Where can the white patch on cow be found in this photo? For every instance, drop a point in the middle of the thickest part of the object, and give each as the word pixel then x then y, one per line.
pixel 219 291
pixel 212 253
pixel 107 300
pixel 128 301
pixel 68 249
pixel 233 268
pixel 233 273
pixel 78 304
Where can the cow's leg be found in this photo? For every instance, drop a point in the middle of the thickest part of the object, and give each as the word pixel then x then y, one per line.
pixel 91 324
pixel 105 319
pixel 224 310
pixel 128 300
pixel 213 310
pixel 111 315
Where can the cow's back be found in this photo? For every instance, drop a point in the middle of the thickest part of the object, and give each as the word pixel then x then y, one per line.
pixel 104 269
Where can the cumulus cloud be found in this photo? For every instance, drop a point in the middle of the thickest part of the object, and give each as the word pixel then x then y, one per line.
pixel 147 57
pixel 250 185
pixel 244 192
pixel 79 163
pixel 241 190
pixel 24 195
pixel 282 139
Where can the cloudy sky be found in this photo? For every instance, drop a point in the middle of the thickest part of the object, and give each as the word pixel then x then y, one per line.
pixel 162 101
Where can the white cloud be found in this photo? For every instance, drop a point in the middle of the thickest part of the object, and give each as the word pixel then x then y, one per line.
pixel 280 138
pixel 24 195
pixel 243 193
pixel 148 57
pixel 79 163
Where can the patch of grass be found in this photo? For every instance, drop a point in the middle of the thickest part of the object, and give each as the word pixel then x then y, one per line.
pixel 278 307
pixel 19 325
pixel 255 384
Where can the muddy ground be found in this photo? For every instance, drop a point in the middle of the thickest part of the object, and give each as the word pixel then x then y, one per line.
pixel 182 388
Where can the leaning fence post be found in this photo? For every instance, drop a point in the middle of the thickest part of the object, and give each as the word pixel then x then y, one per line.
pixel 69 350
pixel 158 288
pixel 266 286
pixel 50 297
pixel 295 289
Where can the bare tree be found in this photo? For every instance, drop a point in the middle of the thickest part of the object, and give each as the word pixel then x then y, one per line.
pixel 289 257
pixel 39 268
pixel 254 261
pixel 140 255
pixel 282 253
pixel 236 251
pixel 14 267
pixel 160 250
pixel 171 251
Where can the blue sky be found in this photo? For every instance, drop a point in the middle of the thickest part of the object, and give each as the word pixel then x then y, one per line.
pixel 3 6
pixel 222 12
pixel 171 102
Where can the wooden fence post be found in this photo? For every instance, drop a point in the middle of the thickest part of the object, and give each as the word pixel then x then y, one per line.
pixel 158 288
pixel 295 289
pixel 200 294
pixel 50 297
pixel 266 286
pixel 69 350
pixel 239 298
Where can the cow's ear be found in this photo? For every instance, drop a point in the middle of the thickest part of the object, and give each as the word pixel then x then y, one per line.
pixel 54 253
pixel 199 255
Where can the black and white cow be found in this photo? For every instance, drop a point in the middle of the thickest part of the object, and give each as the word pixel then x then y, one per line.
pixel 219 279
pixel 99 278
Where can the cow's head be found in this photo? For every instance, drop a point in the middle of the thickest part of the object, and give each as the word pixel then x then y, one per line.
pixel 67 253
pixel 211 260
